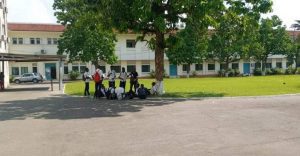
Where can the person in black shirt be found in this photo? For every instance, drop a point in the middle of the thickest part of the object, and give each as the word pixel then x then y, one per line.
pixel 133 80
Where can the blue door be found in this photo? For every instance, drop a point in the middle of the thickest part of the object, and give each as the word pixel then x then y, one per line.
pixel 246 68
pixel 173 70
pixel 50 67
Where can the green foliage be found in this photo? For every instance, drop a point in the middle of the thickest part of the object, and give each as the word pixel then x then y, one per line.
pixel 298 71
pixel 271 38
pixel 86 37
pixel 194 73
pixel 189 46
pixel 11 78
pixel 257 72
pixel 74 75
pixel 290 70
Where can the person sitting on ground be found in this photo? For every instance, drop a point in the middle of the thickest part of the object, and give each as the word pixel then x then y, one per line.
pixel 111 94
pixel 142 92
pixel 153 90
pixel 120 93
pixel 102 91
pixel 137 86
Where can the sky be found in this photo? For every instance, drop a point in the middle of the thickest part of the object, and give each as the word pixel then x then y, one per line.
pixel 41 11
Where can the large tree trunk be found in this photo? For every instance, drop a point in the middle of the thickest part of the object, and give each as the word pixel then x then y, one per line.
pixel 263 67
pixel 159 62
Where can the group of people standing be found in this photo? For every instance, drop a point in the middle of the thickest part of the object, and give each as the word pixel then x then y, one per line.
pixel 113 92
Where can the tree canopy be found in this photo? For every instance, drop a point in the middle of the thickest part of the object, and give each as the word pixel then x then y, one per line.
pixel 86 37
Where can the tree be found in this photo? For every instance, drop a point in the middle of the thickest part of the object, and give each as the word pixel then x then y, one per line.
pixel 85 38
pixel 272 39
pixel 188 46
pixel 160 18
pixel 227 43
pixel 294 55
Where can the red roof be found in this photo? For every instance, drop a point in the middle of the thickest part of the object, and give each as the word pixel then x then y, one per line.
pixel 294 33
pixel 35 27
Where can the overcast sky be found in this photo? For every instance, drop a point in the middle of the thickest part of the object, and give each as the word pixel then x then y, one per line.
pixel 40 11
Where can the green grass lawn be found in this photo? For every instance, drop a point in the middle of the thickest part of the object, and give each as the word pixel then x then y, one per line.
pixel 213 87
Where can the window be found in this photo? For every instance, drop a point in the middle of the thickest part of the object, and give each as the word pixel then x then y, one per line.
pixel 38 41
pixel 55 41
pixel 268 65
pixel 102 68
pixel 34 69
pixel 75 67
pixel 15 71
pixel 117 69
pixel 185 67
pixel 235 66
pixel 20 40
pixel 211 66
pixel 32 41
pixel 222 66
pixel 145 68
pixel 66 69
pixel 278 64
pixel 82 68
pixel 258 65
pixel 24 70
pixel 130 43
pixel 14 40
pixel 199 67
pixel 130 68
pixel 49 40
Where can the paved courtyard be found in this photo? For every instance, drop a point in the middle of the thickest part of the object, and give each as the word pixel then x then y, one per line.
pixel 37 122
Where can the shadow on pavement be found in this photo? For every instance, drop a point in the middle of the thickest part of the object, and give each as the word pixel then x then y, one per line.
pixel 64 107
pixel 26 89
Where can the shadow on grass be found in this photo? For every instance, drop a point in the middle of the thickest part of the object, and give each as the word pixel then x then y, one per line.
pixel 193 94
pixel 64 108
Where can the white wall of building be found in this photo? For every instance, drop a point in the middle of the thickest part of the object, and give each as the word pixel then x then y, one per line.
pixel 4 40
pixel 139 56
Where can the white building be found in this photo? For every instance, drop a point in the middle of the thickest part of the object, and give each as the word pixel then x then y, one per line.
pixel 3 40
pixel 42 39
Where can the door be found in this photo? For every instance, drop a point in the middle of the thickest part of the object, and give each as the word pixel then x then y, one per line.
pixel 173 70
pixel 246 68
pixel 50 67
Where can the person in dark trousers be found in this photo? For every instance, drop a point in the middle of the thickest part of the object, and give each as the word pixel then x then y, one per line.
pixel 1 81
pixel 97 77
pixel 142 92
pixel 133 80
pixel 86 79
pixel 123 76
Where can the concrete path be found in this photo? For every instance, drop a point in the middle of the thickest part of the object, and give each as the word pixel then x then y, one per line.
pixel 43 123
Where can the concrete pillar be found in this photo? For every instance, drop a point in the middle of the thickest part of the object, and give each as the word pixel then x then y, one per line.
pixel 284 61
pixel 138 66
pixel 273 63
pixel 60 74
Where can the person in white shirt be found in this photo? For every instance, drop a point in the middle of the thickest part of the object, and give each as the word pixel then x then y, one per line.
pixel 111 78
pixel 120 92
pixel 86 78
pixel 123 76
pixel 153 90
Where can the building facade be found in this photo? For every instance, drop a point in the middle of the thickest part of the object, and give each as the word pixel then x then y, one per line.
pixel 42 39
pixel 4 40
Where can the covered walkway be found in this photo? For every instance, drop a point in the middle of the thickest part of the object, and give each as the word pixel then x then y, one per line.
pixel 9 57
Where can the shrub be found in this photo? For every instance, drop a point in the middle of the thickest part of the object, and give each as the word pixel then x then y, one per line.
pixel 74 75
pixel 221 73
pixel 269 72
pixel 257 72
pixel 237 72
pixel 11 78
pixel 298 71
pixel 194 73
pixel 277 71
pixel 230 72
pixel 290 70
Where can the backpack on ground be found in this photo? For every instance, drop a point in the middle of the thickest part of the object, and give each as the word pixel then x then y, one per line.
pixel 97 77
